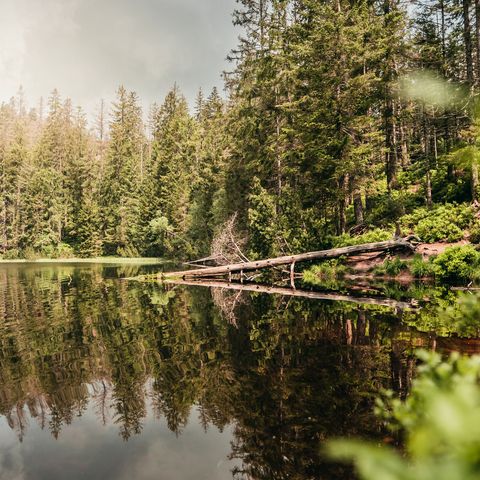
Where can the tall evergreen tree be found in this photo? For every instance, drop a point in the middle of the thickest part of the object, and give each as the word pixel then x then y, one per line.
pixel 120 192
pixel 168 182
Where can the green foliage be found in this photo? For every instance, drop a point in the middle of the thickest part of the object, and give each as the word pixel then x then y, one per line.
pixel 391 267
pixel 326 273
pixel 433 230
pixel 441 223
pixel 441 421
pixel 261 220
pixel 375 235
pixel 421 268
pixel 463 317
pixel 474 236
pixel 12 254
pixel 457 263
pixel 64 250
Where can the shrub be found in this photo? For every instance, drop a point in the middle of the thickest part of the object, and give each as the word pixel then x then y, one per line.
pixel 128 251
pixel 376 235
pixel 391 267
pixel 457 263
pixel 30 254
pixel 421 268
pixel 64 250
pixel 12 254
pixel 441 223
pixel 475 232
pixel 432 230
pixel 325 272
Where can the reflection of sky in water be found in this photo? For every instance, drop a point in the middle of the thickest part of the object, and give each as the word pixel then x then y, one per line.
pixel 87 450
pixel 287 373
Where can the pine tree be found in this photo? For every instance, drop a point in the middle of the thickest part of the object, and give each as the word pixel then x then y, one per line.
pixel 207 209
pixel 120 191
pixel 167 187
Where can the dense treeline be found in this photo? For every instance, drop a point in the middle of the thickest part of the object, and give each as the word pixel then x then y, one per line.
pixel 316 136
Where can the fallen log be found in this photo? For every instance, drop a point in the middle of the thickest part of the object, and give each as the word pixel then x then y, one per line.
pixel 385 246
pixel 290 292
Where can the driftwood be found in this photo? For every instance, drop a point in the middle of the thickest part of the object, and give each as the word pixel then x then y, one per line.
pixel 291 260
pixel 290 292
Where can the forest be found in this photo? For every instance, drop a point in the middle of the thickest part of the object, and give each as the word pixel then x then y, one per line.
pixel 339 118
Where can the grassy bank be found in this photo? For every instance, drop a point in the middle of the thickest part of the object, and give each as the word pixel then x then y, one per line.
pixel 94 260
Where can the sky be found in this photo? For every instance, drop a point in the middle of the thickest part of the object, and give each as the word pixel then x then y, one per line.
pixel 87 48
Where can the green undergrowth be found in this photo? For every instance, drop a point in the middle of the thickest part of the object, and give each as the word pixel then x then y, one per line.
pixel 391 267
pixel 325 274
pixel 441 223
pixel 457 264
pixel 375 235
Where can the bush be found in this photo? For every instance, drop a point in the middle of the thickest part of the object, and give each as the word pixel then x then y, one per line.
pixel 325 272
pixel 457 263
pixel 432 230
pixel 421 268
pixel 12 254
pixel 30 254
pixel 475 232
pixel 64 250
pixel 391 267
pixel 376 235
pixel 439 224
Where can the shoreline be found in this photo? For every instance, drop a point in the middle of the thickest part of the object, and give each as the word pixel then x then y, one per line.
pixel 94 260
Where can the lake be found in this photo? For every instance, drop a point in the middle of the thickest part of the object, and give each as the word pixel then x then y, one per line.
pixel 102 377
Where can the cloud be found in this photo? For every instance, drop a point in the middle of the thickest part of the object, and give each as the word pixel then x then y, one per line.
pixel 86 48
pixel 88 450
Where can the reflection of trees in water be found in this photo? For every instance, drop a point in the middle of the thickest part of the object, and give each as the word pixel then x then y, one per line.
pixel 290 374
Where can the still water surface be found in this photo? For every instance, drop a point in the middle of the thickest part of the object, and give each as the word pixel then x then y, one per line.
pixel 106 378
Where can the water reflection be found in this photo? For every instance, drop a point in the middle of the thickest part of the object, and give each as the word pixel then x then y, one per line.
pixel 87 355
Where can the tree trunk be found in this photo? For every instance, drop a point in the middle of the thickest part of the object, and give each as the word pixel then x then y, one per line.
pixel 426 151
pixel 342 207
pixel 467 38
pixel 289 259
pixel 358 206
pixel 475 189
pixel 428 186
pixel 391 165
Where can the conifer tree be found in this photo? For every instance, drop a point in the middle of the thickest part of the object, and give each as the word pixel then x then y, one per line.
pixel 165 208
pixel 120 191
